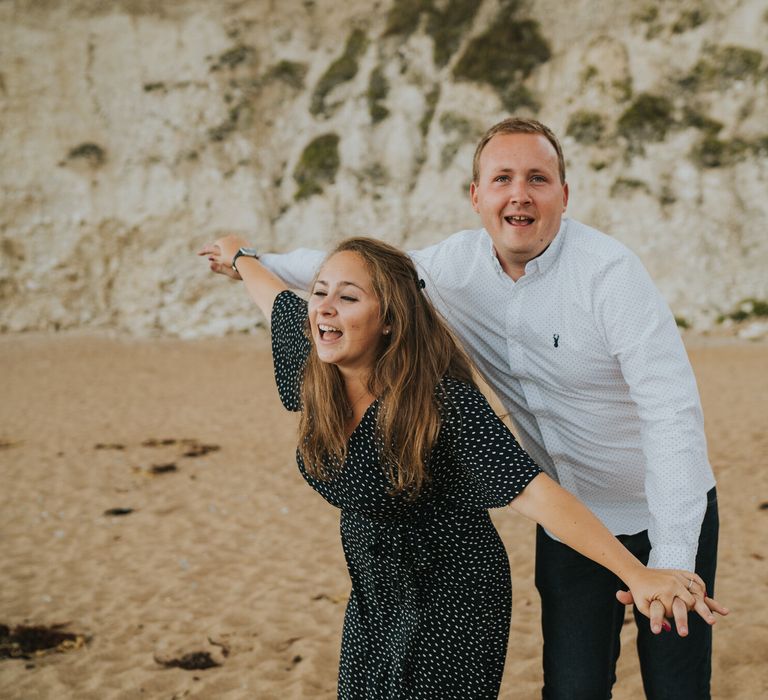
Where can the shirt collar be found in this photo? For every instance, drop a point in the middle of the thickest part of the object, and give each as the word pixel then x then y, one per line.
pixel 544 261
pixel 539 264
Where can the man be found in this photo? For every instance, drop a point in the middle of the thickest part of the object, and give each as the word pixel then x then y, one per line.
pixel 570 332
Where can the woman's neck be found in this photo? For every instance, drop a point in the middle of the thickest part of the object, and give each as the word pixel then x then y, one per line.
pixel 359 398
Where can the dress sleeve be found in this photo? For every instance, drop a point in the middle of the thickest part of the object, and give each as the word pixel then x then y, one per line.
pixel 485 447
pixel 290 347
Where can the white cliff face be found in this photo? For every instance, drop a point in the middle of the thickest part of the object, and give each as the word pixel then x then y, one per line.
pixel 134 131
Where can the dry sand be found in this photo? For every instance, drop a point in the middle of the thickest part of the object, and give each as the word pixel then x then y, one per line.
pixel 233 554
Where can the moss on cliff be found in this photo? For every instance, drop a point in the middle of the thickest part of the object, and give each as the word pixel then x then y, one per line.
pixel 586 127
pixel 289 72
pixel 234 57
pixel 504 56
pixel 721 66
pixel 627 186
pixel 693 118
pixel 460 131
pixel 648 118
pixel 747 309
pixel 689 19
pixel 378 89
pixel 317 166
pixel 712 152
pixel 342 70
pixel 446 22
pixel 431 100
pixel 239 115
pixel 91 153
pixel 447 27
pixel 404 16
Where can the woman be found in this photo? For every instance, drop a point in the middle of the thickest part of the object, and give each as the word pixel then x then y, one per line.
pixel 395 434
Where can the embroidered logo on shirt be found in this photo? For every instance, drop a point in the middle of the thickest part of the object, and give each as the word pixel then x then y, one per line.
pixel 556 338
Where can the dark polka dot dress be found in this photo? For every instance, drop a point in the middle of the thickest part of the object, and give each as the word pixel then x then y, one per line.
pixel 429 611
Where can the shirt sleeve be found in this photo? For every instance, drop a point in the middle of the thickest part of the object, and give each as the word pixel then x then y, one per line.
pixel 485 447
pixel 290 347
pixel 297 268
pixel 641 333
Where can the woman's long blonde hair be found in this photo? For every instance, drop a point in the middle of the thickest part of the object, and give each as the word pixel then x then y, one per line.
pixel 418 352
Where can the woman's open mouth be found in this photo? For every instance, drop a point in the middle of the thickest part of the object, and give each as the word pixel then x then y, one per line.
pixel 328 332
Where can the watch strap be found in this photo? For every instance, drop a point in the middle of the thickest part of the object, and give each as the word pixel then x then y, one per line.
pixel 244 252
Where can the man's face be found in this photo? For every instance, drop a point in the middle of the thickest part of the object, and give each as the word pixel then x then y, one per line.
pixel 519 197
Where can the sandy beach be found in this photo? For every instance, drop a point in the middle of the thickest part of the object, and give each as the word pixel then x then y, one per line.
pixel 222 551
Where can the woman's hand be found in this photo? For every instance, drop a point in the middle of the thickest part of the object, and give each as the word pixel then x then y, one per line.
pixel 221 252
pixel 670 593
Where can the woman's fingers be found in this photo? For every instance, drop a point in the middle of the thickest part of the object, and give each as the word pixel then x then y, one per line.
pixel 209 249
pixel 712 605
pixel 224 269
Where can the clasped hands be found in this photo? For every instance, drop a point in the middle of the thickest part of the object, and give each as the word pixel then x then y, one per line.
pixel 671 593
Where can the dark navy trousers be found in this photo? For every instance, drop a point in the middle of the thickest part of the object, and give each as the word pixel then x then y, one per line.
pixel 581 621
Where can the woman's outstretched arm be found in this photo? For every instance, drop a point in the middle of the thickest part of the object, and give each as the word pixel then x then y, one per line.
pixel 656 592
pixel 262 285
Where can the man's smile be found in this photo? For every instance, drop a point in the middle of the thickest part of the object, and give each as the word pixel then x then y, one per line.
pixel 519 220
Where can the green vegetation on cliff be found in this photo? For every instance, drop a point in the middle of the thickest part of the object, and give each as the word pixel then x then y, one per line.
pixel 712 152
pixel 447 27
pixel 234 57
pixel 721 66
pixel 586 127
pixel 446 23
pixel 378 89
pixel 91 153
pixel 342 70
pixel 747 308
pixel 648 118
pixel 289 72
pixel 317 166
pixel 504 56
pixel 431 100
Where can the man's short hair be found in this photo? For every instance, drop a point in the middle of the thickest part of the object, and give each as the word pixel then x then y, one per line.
pixel 518 125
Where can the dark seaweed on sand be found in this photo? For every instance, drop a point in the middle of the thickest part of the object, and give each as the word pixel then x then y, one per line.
pixel 198 449
pixel 194 661
pixel 118 511
pixel 163 468
pixel 25 641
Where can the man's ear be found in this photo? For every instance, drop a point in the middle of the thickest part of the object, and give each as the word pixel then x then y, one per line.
pixel 565 195
pixel 473 196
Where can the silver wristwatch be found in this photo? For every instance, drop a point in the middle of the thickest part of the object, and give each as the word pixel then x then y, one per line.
pixel 247 252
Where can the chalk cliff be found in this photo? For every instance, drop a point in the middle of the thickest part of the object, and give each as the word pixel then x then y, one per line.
pixel 132 131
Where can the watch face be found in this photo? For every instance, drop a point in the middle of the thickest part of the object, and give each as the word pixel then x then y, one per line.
pixel 251 252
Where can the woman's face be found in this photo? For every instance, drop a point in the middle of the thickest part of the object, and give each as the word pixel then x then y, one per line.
pixel 345 316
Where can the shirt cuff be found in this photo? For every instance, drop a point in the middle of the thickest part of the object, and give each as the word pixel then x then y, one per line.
pixel 672 557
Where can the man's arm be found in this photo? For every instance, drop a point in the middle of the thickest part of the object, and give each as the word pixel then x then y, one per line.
pixel 641 333
pixel 297 268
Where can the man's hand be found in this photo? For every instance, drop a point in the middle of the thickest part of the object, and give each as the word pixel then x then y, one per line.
pixel 658 607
